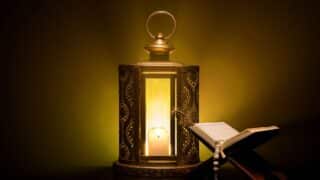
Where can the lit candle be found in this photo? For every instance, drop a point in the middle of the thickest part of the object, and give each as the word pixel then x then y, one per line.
pixel 158 142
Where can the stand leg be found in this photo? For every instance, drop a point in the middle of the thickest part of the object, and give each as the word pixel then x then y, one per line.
pixel 215 168
pixel 216 159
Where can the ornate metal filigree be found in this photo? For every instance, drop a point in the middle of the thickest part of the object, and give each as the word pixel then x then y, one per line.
pixel 189 106
pixel 124 151
pixel 129 132
pixel 192 80
pixel 130 92
pixel 187 98
pixel 131 116
pixel 187 139
pixel 124 110
pixel 128 104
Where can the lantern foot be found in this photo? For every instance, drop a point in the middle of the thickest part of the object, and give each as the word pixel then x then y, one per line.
pixel 170 170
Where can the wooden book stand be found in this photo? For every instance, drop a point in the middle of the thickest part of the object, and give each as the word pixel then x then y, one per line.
pixel 244 158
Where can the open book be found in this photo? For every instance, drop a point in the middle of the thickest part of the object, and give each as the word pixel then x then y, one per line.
pixel 211 133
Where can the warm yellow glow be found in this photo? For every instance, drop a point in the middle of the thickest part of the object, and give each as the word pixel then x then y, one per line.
pixel 159 72
pixel 158 105
pixel 158 141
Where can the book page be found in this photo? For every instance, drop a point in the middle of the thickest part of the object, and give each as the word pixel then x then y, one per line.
pixel 210 133
pixel 217 131
pixel 248 132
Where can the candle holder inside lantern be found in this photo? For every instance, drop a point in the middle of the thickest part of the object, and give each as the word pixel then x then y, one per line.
pixel 153 138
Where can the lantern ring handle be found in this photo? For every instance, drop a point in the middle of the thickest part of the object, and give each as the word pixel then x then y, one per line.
pixel 159 12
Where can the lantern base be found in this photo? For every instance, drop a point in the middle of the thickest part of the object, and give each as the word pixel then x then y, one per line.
pixel 154 171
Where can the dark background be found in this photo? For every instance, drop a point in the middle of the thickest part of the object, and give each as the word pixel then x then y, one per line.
pixel 259 63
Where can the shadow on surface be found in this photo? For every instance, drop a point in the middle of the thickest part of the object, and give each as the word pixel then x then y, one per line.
pixel 204 172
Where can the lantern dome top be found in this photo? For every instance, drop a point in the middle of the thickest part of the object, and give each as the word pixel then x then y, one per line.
pixel 160 49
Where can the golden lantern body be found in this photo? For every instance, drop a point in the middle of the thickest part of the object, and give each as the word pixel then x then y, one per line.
pixel 153 138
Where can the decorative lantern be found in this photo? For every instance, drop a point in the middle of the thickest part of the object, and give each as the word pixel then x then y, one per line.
pixel 157 99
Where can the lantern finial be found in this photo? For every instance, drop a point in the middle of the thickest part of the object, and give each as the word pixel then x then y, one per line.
pixel 160 49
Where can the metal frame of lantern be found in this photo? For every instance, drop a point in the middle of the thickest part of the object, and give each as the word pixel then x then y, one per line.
pixel 169 73
pixel 183 155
